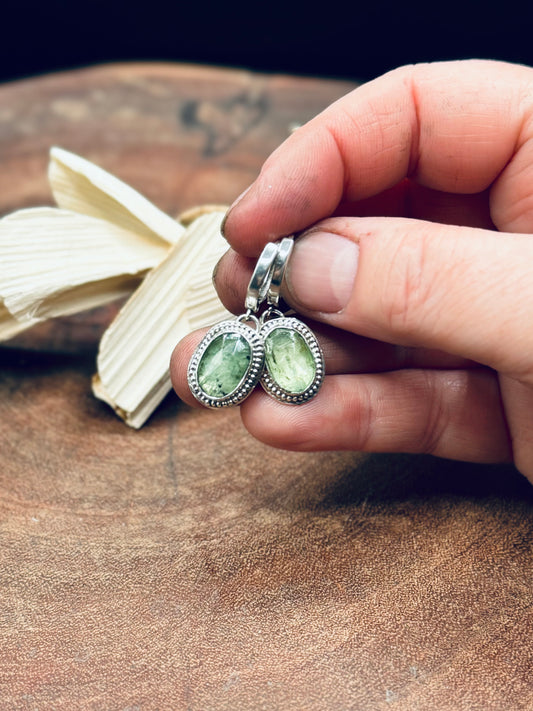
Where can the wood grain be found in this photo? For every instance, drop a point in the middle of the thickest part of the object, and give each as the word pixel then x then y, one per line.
pixel 186 566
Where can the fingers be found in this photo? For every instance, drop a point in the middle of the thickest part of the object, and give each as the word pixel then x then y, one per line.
pixel 449 414
pixel 233 272
pixel 343 353
pixel 517 403
pixel 408 199
pixel 451 126
pixel 455 414
pixel 179 362
pixel 460 290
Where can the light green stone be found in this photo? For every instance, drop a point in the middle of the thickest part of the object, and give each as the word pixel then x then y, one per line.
pixel 224 364
pixel 289 360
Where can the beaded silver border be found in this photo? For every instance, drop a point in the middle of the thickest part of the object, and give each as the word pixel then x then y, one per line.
pixel 249 379
pixel 268 382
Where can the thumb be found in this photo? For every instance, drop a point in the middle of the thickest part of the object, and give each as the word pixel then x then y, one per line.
pixel 462 290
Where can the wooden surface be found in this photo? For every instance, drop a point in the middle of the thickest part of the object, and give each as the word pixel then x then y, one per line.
pixel 186 566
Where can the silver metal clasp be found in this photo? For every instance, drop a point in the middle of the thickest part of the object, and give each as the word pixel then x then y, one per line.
pixel 267 277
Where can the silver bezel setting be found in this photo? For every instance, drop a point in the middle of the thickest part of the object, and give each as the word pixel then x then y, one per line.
pixel 268 382
pixel 249 380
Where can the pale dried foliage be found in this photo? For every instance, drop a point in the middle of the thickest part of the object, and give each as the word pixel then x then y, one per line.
pixel 103 242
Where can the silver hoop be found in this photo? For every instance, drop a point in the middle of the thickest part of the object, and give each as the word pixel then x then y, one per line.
pixel 267 276
pixel 278 270
pixel 270 313
pixel 261 278
pixel 249 317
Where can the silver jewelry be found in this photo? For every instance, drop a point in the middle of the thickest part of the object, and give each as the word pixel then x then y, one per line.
pixel 261 278
pixel 277 350
pixel 281 260
pixel 294 363
pixel 227 364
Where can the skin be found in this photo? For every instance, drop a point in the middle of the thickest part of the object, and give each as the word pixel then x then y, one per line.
pixel 413 200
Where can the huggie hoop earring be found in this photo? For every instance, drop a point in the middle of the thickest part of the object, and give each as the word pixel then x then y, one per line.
pixel 278 270
pixel 261 278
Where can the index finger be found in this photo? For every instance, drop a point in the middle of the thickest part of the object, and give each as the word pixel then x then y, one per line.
pixel 450 126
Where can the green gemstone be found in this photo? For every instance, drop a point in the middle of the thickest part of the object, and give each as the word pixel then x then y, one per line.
pixel 224 364
pixel 289 360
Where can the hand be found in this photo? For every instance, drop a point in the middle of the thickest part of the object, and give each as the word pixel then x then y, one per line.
pixel 415 268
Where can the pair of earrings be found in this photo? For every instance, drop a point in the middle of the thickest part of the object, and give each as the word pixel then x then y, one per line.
pixel 273 349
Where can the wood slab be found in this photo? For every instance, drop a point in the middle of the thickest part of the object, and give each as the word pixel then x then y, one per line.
pixel 186 566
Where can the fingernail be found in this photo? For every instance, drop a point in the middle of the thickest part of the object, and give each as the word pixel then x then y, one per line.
pixel 233 204
pixel 321 271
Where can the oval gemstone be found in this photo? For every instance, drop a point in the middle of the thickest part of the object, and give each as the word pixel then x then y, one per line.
pixel 289 360
pixel 224 364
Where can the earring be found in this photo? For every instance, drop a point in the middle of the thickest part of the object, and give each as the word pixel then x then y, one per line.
pixel 275 349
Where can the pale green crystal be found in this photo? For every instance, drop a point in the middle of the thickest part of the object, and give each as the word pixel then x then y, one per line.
pixel 224 364
pixel 289 360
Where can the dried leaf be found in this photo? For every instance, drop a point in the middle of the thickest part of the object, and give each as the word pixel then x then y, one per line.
pixel 85 188
pixel 96 247
pixel 57 262
pixel 175 297
pixel 9 326
pixel 193 213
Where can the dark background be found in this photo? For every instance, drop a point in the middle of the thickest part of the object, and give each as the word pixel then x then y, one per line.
pixel 345 40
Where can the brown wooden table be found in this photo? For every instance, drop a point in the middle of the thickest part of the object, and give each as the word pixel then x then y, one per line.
pixel 186 566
